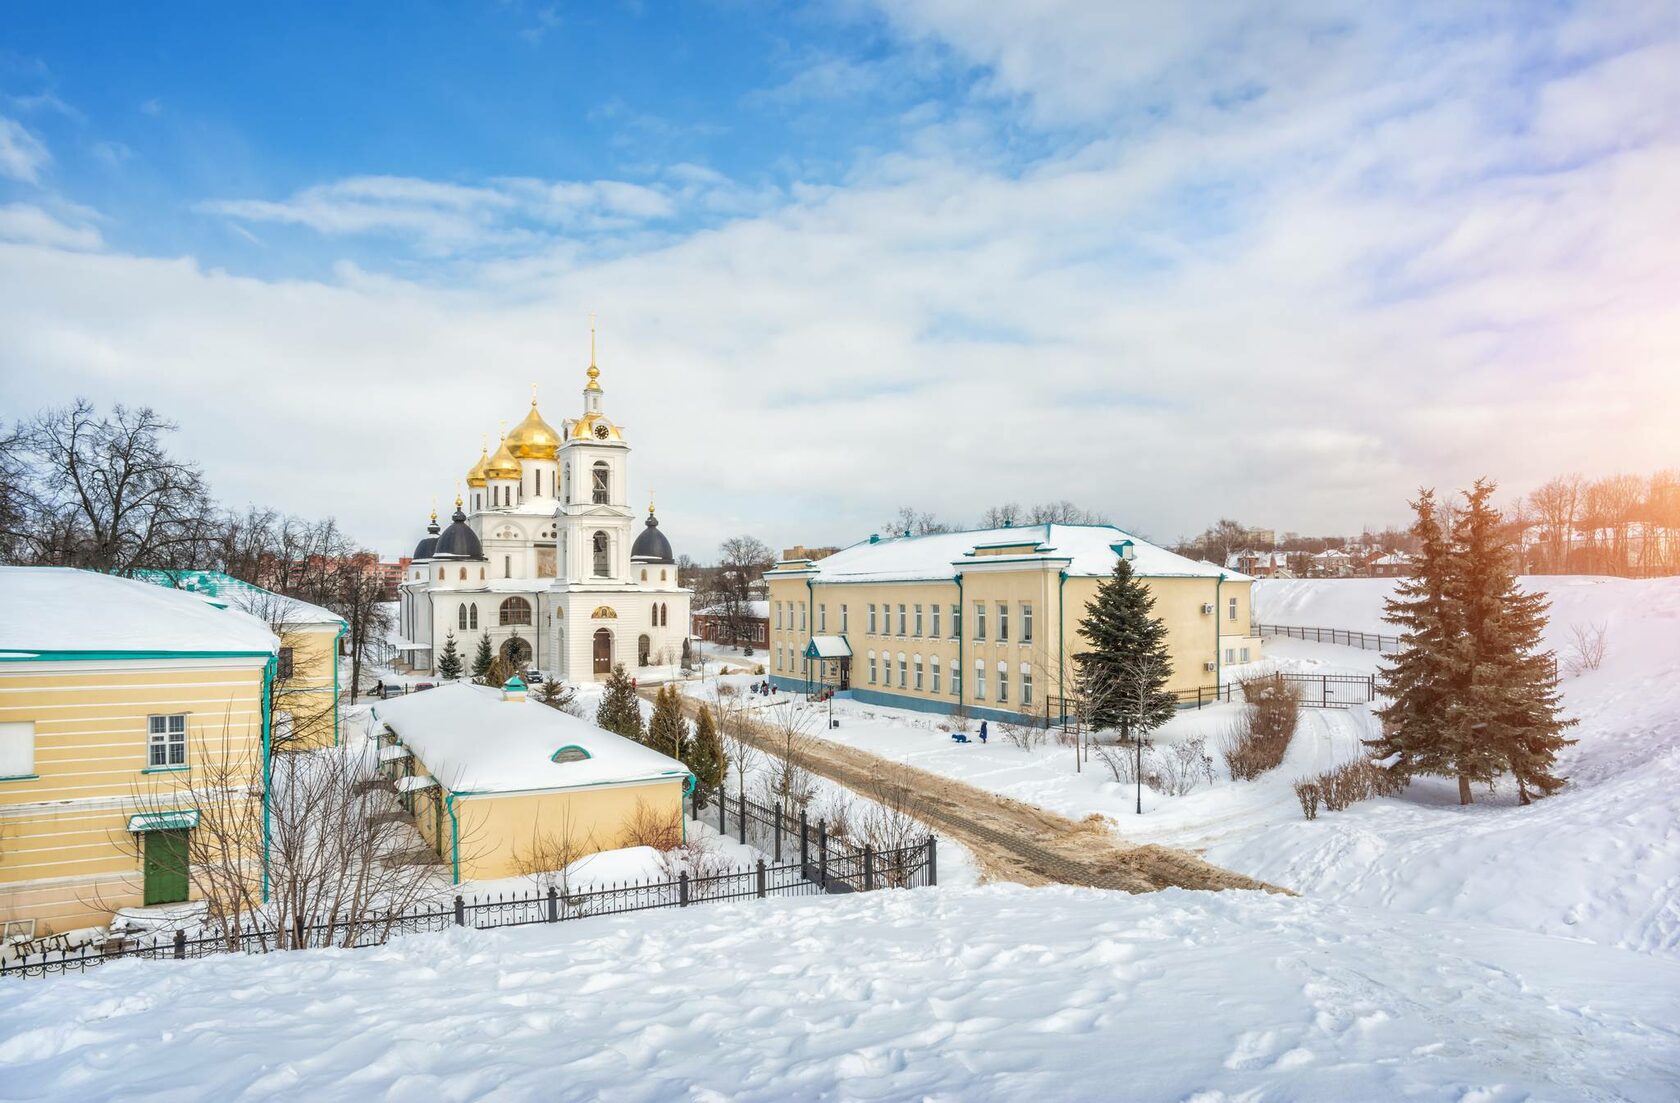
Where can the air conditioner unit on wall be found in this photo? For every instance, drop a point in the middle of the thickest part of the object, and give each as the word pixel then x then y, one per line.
pixel 1210 666
pixel 1207 608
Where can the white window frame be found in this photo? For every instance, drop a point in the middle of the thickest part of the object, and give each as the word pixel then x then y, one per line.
pixel 1003 683
pixel 1003 621
pixel 918 620
pixel 933 671
pixel 1233 608
pixel 872 622
pixel 872 668
pixel 902 619
pixel 934 609
pixel 903 671
pixel 17 749
pixel 918 667
pixel 843 618
pixel 1026 622
pixel 822 616
pixel 979 679
pixel 980 620
pixel 166 741
pixel 1026 686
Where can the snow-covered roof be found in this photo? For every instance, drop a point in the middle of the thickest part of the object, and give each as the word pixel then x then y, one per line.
pixel 1088 549
pixel 759 609
pixel 474 741
pixel 828 647
pixel 224 591
pixel 1393 559
pixel 52 609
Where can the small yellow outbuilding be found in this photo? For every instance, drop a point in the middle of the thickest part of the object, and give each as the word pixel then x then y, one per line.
pixel 495 781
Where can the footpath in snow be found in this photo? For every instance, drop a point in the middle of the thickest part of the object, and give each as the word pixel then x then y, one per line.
pixel 992 993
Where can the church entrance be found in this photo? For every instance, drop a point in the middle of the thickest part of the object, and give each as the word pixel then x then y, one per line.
pixel 603 651
pixel 644 648
pixel 516 653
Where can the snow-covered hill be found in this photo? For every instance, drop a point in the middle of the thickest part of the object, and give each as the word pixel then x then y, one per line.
pixel 995 993
pixel 1600 860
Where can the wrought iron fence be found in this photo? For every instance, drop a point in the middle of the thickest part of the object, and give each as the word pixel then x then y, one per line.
pixel 1369 641
pixel 824 866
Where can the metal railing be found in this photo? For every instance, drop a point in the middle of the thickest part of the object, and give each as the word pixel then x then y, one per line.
pixel 1368 641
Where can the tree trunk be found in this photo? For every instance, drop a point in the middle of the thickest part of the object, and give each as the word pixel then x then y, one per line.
pixel 1463 789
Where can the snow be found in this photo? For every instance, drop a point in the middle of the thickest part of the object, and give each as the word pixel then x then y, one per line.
pixel 978 994
pixel 223 591
pixel 61 609
pixel 829 647
pixel 1088 550
pixel 472 740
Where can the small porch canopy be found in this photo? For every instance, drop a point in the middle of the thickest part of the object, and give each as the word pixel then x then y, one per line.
pixel 184 820
pixel 409 645
pixel 415 783
pixel 828 647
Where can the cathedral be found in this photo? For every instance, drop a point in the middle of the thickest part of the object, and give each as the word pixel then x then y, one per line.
pixel 543 556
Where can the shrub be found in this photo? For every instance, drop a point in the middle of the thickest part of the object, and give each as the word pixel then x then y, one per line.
pixel 1025 736
pixel 1586 648
pixel 759 669
pixel 648 826
pixel 1260 739
pixel 1177 773
pixel 1307 792
pixel 1347 784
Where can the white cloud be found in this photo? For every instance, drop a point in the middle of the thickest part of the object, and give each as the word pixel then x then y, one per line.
pixel 30 225
pixel 22 156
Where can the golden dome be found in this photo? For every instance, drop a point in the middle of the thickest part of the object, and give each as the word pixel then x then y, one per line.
pixel 533 438
pixel 475 477
pixel 588 427
pixel 502 465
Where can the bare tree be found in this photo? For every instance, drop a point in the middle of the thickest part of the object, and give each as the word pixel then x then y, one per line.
pixel 1002 516
pixel 304 713
pixel 1587 646
pixel 1554 506
pixel 913 522
pixel 548 858
pixel 788 732
pixel 742 561
pixel 1063 512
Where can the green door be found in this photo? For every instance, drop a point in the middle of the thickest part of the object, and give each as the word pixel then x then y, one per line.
pixel 166 867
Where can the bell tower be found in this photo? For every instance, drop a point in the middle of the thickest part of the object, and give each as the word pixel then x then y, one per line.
pixel 595 513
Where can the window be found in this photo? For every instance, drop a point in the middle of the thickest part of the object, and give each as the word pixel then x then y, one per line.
pixel 935 610
pixel 1003 682
pixel 918 673
pixel 507 566
pixel 599 488
pixel 167 742
pixel 843 619
pixel 979 679
pixel 283 663
pixel 1230 654
pixel 1026 686
pixel 17 748
pixel 901 619
pixel 956 679
pixel 778 616
pixel 872 668
pixel 603 567
pixel 664 615
pixel 956 621
pixel 644 574
pixel 461 618
pixel 1003 622
pixel 822 616
pixel 472 616
pixel 463 574
pixel 933 665
pixel 802 616
pixel 903 672
pixel 778 656
pixel 918 620
pixel 1233 609
pixel 872 618
pixel 515 610
pixel 1026 622
pixel 1243 655
pixel 979 620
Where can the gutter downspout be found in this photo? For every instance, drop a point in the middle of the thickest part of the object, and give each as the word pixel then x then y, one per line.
pixel 269 669
pixel 962 669
pixel 811 622
pixel 1061 639
pixel 454 837
pixel 343 628
pixel 1217 611
pixel 690 783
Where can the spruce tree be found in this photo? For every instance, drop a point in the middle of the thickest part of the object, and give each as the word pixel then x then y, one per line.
pixel 1418 680
pixel 705 758
pixel 665 728
pixel 556 694
pixel 1508 716
pixel 1123 676
pixel 449 663
pixel 498 673
pixel 485 656
pixel 619 711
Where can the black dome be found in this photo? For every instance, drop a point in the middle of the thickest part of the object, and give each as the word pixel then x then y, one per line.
pixel 651 546
pixel 425 548
pixel 458 541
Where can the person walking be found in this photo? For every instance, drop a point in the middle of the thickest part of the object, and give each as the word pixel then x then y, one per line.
pixel 982 731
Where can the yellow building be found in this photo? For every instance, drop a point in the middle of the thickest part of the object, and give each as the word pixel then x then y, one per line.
pixel 988 621
pixel 119 702
pixel 305 693
pixel 501 786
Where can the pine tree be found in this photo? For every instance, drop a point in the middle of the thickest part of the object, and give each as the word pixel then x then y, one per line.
pixel 449 663
pixel 1508 713
pixel 498 673
pixel 1418 680
pixel 1122 677
pixel 665 728
pixel 619 710
pixel 705 758
pixel 484 657
pixel 556 694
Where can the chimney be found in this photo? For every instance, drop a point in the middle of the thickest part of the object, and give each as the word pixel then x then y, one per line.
pixel 513 689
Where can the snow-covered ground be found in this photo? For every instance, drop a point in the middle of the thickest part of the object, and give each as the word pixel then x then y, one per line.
pixel 991 993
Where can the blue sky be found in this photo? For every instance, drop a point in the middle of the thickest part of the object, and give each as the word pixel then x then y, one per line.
pixel 1284 262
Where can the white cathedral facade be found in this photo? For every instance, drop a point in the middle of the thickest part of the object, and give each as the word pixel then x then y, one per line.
pixel 543 556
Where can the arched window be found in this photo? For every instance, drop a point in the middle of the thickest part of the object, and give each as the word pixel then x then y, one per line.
pixel 516 610
pixel 463 574
pixel 644 574
pixel 603 566
pixel 662 574
pixel 600 492
pixel 664 615
pixel 461 618
pixel 472 616
pixel 440 574
pixel 654 614
pixel 481 574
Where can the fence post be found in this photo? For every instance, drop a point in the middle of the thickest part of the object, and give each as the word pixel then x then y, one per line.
pixel 804 842
pixel 822 854
pixel 933 859
pixel 553 905
pixel 1324 690
pixel 682 889
pixel 723 804
pixel 763 882
pixel 181 944
pixel 741 815
pixel 868 867
pixel 460 911
pixel 1370 687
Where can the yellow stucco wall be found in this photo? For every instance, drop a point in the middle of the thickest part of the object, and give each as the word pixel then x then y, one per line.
pixel 1047 659
pixel 309 696
pixel 66 859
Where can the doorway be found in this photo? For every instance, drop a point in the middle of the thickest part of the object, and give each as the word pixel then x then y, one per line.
pixel 165 867
pixel 603 651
